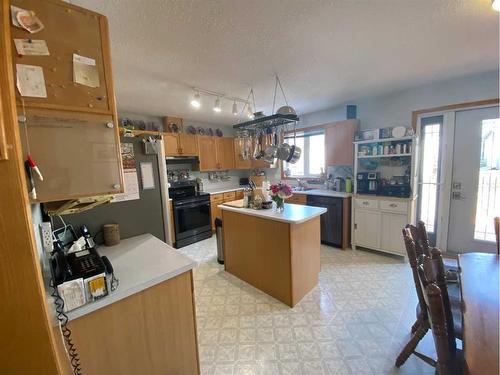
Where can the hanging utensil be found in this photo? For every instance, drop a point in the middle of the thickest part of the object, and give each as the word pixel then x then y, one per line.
pixel 271 150
pixel 295 151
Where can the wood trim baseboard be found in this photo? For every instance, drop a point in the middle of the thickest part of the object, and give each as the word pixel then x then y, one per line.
pixel 451 107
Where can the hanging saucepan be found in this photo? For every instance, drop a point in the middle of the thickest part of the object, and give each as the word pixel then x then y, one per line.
pixel 271 150
pixel 283 151
pixel 295 151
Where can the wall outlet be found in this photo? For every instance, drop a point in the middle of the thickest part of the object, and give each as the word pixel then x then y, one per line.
pixel 46 233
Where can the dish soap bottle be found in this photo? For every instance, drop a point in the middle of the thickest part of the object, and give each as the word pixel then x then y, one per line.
pixel 348 185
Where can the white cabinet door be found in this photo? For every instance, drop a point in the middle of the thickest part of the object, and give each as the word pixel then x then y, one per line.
pixel 367 228
pixel 391 236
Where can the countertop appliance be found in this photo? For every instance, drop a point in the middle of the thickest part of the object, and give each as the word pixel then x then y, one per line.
pixel 367 182
pixel 191 213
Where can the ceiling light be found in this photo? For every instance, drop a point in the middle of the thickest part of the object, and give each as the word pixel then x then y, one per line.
pixel 235 108
pixel 249 112
pixel 196 101
pixel 217 107
pixel 496 5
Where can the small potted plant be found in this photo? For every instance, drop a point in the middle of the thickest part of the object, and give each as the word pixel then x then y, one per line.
pixel 279 192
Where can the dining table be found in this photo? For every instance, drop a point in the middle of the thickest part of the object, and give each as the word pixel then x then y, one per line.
pixel 480 302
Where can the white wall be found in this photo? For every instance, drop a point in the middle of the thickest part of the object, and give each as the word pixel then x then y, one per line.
pixel 393 109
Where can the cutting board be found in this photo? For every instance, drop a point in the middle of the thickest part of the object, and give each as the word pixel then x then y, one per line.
pixel 237 204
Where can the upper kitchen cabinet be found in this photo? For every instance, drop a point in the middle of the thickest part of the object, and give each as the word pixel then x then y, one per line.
pixel 180 144
pixel 77 69
pixel 225 152
pixel 339 138
pixel 68 117
pixel 216 153
pixel 77 154
pixel 239 162
pixel 207 153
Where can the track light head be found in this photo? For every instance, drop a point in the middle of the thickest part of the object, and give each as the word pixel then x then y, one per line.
pixel 217 107
pixel 235 109
pixel 196 101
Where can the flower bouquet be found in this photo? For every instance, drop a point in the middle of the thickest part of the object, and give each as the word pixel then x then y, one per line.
pixel 279 192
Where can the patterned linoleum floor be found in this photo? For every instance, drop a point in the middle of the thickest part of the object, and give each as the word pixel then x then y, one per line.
pixel 354 322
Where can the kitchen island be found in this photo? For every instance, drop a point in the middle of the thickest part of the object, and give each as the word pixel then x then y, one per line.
pixel 276 252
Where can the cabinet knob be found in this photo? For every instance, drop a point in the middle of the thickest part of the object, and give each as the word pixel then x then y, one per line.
pixel 116 186
pixel 110 125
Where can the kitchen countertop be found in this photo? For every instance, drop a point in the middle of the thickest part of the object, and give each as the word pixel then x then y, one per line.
pixel 325 193
pixel 293 213
pixel 139 263
pixel 223 190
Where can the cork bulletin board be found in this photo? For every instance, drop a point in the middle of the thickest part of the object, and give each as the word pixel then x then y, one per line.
pixel 68 30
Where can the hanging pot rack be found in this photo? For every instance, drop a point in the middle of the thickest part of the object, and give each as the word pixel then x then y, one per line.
pixel 272 121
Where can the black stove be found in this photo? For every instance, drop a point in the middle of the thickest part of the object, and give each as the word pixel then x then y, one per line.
pixel 192 217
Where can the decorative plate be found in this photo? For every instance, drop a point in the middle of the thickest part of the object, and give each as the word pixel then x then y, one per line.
pixel 398 131
pixel 200 130
pixel 209 131
pixel 174 128
pixel 218 132
pixel 191 130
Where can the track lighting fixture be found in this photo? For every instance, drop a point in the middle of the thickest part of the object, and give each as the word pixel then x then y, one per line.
pixel 196 101
pixel 235 109
pixel 217 108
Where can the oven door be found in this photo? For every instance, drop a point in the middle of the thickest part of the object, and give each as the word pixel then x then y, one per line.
pixel 191 218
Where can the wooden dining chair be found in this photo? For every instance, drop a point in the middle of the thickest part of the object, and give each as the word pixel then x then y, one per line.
pixel 432 279
pixel 421 325
pixel 497 230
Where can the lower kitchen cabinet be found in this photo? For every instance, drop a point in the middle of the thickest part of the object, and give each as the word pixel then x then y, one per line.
pixel 391 237
pixel 378 222
pixel 217 199
pixel 367 228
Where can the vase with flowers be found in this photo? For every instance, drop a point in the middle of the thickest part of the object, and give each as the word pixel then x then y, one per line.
pixel 279 192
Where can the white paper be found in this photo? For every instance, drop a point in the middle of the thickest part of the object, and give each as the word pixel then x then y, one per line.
pixel 148 180
pixel 30 81
pixel 73 294
pixel 85 71
pixel 13 13
pixel 32 47
pixel 131 187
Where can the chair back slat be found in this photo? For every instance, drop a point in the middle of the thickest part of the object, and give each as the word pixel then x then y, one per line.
pixel 432 279
pixel 412 259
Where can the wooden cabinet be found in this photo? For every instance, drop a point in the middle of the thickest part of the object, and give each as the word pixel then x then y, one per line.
pixel 72 133
pixel 339 138
pixel 225 152
pixel 156 327
pixel 297 199
pixel 180 144
pixel 217 199
pixel 207 153
pixel 68 30
pixel 77 153
pixel 216 153
pixel 239 162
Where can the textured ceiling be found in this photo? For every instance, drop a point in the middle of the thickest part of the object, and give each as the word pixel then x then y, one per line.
pixel 326 52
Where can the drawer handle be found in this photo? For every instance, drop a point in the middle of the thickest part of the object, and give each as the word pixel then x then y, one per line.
pixel 393 205
pixel 366 203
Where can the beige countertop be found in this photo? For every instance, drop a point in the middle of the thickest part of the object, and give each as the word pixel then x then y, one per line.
pixel 139 263
pixel 293 213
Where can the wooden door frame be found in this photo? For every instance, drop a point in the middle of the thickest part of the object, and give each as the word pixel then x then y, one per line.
pixel 30 339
